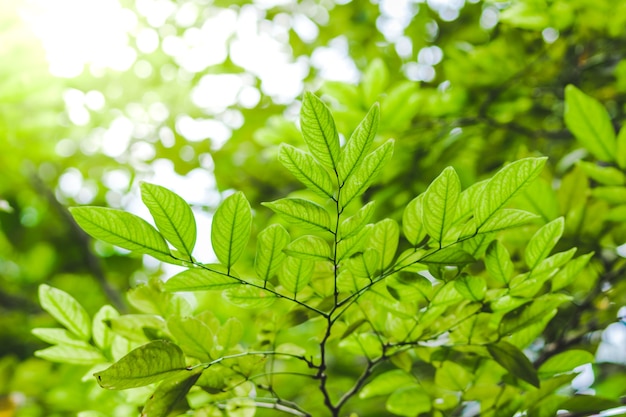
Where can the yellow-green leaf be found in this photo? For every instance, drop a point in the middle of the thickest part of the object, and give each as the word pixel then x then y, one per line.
pixel 230 229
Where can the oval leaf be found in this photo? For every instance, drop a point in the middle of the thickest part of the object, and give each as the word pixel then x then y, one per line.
pixel 543 241
pixel 307 170
pixel 319 131
pixel 513 360
pixel 211 277
pixel 269 253
pixel 230 229
pixel 66 310
pixel 309 247
pixel 359 144
pixel 301 212
pixel 439 204
pixel 169 397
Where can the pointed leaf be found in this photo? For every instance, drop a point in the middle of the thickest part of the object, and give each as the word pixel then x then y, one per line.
pixel 602 174
pixel 247 296
pixel 365 173
pixel 543 241
pixel 229 335
pixel 307 170
pixel 319 131
pixel 507 219
pixel 83 354
pixel 269 253
pixel 301 212
pixel 102 335
pixel 439 204
pixel 498 262
pixel 309 247
pixel 169 397
pixel 384 240
pixel 451 255
pixel 350 246
pixel 412 225
pixel 504 185
pixel 386 383
pixel 453 376
pixel 514 361
pixel 620 153
pixel 353 224
pixel 472 288
pixel 531 313
pixel 172 216
pixel 359 144
pixel 568 274
pixel 590 123
pixel 145 365
pixel 122 229
pixel 212 277
pixel 409 401
pixel 230 229
pixel 193 336
pixel 564 362
pixel 57 336
pixel 66 310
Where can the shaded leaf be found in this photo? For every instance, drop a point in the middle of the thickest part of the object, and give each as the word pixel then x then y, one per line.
pixel 603 175
pixel 169 397
pixel 386 383
pixel 57 336
pixel 102 335
pixel 452 376
pixel 172 216
pixel 301 212
pixel 567 275
pixel 230 228
pixel 66 310
pixel 408 401
pixel 307 170
pixel 145 365
pixel 319 131
pixel 514 361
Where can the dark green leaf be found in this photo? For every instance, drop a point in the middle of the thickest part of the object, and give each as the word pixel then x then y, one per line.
pixel 145 365
pixel 514 361
pixel 319 131
pixel 589 404
pixel 301 212
pixel 170 395
pixel 307 170
pixel 230 229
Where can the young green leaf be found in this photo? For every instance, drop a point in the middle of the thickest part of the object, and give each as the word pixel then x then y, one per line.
pixel 384 240
pixel 83 354
pixel 350 246
pixel 122 229
pixel 172 216
pixel 229 335
pixel 145 365
pixel 620 152
pixel 359 144
pixel 169 397
pixel 451 255
pixel 319 131
pixel 472 288
pixel 564 362
pixel 364 264
pixel 269 253
pixel 230 229
pixel 295 274
pixel 409 401
pixel 568 274
pixel 301 212
pixel 212 277
pixel 353 224
pixel 386 383
pixel 102 335
pixel 193 336
pixel 541 308
pixel 439 204
pixel 498 262
pixel 309 247
pixel 56 336
pixel 307 170
pixel 601 174
pixel 543 241
pixel 590 123
pixel 247 296
pixel 375 80
pixel 453 376
pixel 513 360
pixel 412 225
pixel 365 173
pixel 66 310
pixel 505 185
pixel 507 219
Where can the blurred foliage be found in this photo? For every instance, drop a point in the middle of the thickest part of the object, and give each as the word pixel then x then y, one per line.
pixel 469 84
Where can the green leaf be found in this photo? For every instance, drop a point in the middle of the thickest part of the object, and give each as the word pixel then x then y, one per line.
pixel 193 336
pixel 453 376
pixel 230 229
pixel 350 246
pixel 375 80
pixel 145 365
pixel 386 383
pixel 507 219
pixel 567 275
pixel 229 335
pixel 514 361
pixel 601 174
pixel 296 274
pixel 83 354
pixel 412 225
pixel 66 310
pixel 498 262
pixel 57 336
pixel 620 152
pixel 172 216
pixel 408 401
pixel 122 229
pixel 472 288
pixel 364 264
pixel 102 335
pixel 589 404
pixel 359 144
pixel 353 224
pixel 169 397
pixel 543 241
pixel 612 195
pixel 590 123
pixel 439 204
pixel 564 362
pixel 531 313
pixel 301 212
pixel 138 328
pixel 365 173
pixel 309 247
pixel 247 296
pixel 505 185
pixel 211 277
pixel 451 255
pixel 384 240
pixel 269 253
pixel 307 170
pixel 319 131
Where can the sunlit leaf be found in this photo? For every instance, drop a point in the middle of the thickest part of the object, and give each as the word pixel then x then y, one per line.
pixel 230 229
pixel 364 264
pixel 452 376
pixel 309 247
pixel 412 225
pixel 307 170
pixel 66 310
pixel 543 241
pixel 507 219
pixel 439 204
pixel 319 131
pixel 229 334
pixel 172 216
pixel 193 336
pixel 471 287
pixel 408 401
pixel 78 354
pixel 122 229
pixel 603 174
pixel 504 185
pixel 590 123
pixel 498 262
pixel 145 365
pixel 365 173
pixel 564 362
pixel 384 240
pixel 359 144
pixel 169 397
pixel 451 255
pixel 620 152
pixel 211 277
pixel 375 80
pixel 350 246
pixel 353 224
pixel 301 212
pixel 102 335
pixel 386 383
pixel 513 360
pixel 248 296
pixel 269 252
